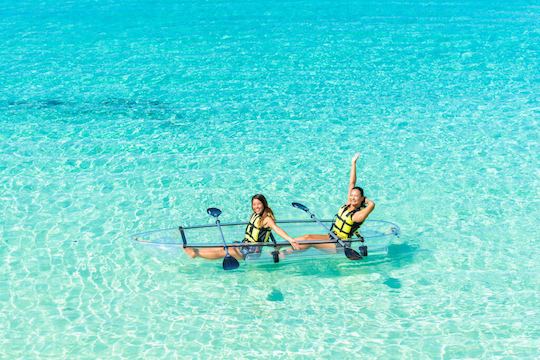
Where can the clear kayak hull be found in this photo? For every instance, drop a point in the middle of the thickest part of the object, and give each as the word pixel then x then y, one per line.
pixel 377 236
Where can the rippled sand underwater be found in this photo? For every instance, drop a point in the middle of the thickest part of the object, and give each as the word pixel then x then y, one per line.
pixel 121 117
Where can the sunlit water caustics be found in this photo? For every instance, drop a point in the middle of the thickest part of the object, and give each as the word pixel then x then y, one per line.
pixel 119 117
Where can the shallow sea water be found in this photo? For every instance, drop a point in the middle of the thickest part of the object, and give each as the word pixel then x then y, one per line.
pixel 119 117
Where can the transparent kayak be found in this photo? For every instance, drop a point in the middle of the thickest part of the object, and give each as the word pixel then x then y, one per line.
pixel 377 235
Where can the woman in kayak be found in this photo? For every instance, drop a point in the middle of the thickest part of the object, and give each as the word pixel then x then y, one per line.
pixel 348 218
pixel 258 230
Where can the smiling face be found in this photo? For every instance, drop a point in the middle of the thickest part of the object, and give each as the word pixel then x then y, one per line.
pixel 356 198
pixel 257 206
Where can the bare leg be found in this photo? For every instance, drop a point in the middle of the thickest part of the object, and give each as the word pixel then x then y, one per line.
pixel 314 237
pixel 212 253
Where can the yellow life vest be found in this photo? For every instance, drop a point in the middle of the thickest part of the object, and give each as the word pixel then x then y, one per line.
pixel 344 226
pixel 254 230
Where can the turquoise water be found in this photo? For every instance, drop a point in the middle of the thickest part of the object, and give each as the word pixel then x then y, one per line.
pixel 124 116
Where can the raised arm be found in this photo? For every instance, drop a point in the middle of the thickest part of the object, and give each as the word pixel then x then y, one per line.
pixel 362 215
pixel 352 177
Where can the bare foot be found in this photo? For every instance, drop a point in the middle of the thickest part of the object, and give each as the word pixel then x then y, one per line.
pixel 191 252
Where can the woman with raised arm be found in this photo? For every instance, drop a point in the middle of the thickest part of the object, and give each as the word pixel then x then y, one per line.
pixel 258 230
pixel 348 218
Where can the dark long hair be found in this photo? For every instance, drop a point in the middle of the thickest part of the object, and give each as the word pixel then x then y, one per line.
pixel 266 209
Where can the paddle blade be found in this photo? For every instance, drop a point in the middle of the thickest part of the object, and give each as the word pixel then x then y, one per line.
pixel 215 212
pixel 352 254
pixel 300 206
pixel 230 263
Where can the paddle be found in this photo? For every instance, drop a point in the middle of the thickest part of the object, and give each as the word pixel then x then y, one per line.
pixel 229 262
pixel 350 253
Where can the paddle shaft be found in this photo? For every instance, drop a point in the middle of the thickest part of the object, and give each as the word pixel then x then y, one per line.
pixel 222 237
pixel 330 233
